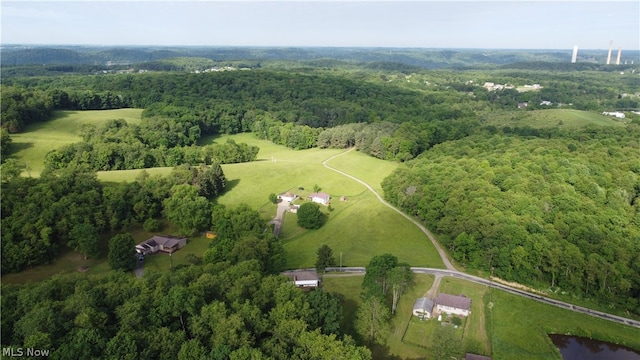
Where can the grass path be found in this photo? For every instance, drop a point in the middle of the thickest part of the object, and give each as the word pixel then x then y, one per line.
pixel 443 255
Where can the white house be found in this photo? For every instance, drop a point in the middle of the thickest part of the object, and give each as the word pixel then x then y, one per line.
pixel 618 114
pixel 452 304
pixel 288 197
pixel 423 308
pixel 320 198
pixel 546 103
pixel 304 278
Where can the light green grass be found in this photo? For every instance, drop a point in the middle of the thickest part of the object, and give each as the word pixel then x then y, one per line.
pixel 520 328
pixel 359 229
pixel 550 118
pixel 367 168
pixel 119 176
pixel 30 146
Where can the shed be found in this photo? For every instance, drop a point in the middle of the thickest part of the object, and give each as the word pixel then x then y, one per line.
pixel 423 308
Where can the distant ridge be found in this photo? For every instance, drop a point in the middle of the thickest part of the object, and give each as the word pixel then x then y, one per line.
pixel 414 57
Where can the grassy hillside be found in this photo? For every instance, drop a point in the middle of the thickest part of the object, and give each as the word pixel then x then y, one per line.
pixel 30 146
pixel 563 118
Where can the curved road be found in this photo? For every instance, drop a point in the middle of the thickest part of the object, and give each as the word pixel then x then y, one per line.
pixel 451 270
pixel 509 289
pixel 443 255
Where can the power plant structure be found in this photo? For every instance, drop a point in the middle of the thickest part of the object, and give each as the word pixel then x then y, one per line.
pixel 619 55
pixel 574 56
pixel 609 56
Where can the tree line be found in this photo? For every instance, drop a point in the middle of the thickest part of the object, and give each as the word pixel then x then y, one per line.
pixel 117 145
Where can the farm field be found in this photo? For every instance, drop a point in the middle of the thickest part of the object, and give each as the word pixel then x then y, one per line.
pixel 561 118
pixel 518 331
pixel 31 145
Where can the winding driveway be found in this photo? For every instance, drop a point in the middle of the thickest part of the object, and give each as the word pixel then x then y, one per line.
pixel 451 270
pixel 443 255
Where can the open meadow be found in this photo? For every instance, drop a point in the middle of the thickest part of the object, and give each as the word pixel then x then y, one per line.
pixel 550 118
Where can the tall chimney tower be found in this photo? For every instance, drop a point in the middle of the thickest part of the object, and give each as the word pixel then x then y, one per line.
pixel 574 56
pixel 619 55
pixel 609 56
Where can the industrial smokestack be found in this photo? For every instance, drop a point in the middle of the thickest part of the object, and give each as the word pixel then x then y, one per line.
pixel 574 57
pixel 619 55
pixel 609 56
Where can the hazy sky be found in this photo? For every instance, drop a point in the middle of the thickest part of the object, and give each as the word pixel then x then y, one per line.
pixel 428 24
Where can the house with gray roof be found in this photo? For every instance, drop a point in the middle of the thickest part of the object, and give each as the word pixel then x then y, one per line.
pixel 452 304
pixel 423 308
pixel 166 243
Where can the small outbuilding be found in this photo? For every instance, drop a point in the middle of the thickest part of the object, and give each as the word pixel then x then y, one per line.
pixel 320 198
pixel 288 196
pixel 304 278
pixel 470 356
pixel 423 308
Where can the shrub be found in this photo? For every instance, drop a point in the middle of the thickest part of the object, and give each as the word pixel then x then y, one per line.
pixel 151 225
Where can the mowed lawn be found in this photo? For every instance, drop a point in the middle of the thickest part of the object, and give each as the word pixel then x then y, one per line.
pixel 520 327
pixel 30 146
pixel 359 229
pixel 561 118
pixel 475 337
pixel 518 330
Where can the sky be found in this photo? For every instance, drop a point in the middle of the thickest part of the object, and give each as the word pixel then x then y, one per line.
pixel 476 24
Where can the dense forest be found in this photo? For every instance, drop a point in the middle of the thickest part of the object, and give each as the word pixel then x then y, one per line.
pixel 209 311
pixel 561 212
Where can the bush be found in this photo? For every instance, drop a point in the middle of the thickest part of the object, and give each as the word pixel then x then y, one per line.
pixel 310 216
pixel 151 225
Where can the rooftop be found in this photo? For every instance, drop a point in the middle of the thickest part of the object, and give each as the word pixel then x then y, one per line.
pixel 458 302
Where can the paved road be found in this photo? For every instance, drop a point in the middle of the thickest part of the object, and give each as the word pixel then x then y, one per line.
pixel 443 255
pixel 509 289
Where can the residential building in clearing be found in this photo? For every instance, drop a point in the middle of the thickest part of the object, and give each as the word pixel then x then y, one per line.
pixel 423 308
pixel 288 196
pixel 320 198
pixel 304 278
pixel 452 304
pixel 166 243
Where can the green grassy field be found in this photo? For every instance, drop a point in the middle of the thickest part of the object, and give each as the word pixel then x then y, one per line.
pixel 30 146
pixel 359 229
pixel 518 329
pixel 562 118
